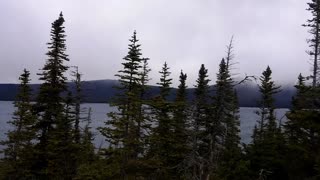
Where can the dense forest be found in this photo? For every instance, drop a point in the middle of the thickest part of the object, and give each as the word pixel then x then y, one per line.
pixel 157 137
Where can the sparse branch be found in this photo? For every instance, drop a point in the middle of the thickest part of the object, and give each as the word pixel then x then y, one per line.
pixel 245 79
pixel 230 54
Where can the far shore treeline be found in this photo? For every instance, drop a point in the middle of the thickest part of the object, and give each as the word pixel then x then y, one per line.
pixel 189 133
pixel 102 91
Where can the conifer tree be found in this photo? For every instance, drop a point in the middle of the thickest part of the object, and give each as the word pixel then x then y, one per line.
pixel 143 123
pixel 77 102
pixel 165 81
pixel 231 164
pixel 161 147
pixel 224 105
pixel 18 152
pixel 293 127
pixel 266 151
pixel 123 131
pixel 302 128
pixel 181 124
pixel 144 76
pixel 54 156
pixel 226 116
pixel 302 132
pixel 88 161
pixel 314 42
pixel 197 160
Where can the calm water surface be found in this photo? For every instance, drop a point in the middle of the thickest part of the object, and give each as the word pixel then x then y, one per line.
pixel 248 119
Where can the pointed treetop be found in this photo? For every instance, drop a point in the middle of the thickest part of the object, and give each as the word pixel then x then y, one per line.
pixel 267 72
pixel 165 81
pixel 300 77
pixel 223 67
pixel 223 61
pixel 268 67
pixel 61 17
pixel 203 69
pixel 134 37
pixel 183 77
pixel 58 22
pixel 301 81
pixel 202 80
pixel 25 76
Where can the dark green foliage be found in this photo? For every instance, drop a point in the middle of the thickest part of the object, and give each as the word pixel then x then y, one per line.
pixel 267 150
pixel 18 152
pixel 226 125
pixel 267 89
pixel 182 89
pixel 181 129
pixel 302 132
pixel 162 141
pixel 144 76
pixel 165 81
pixel 159 137
pixel 54 150
pixel 303 127
pixel 124 130
pixel 226 116
pixel 197 161
pixel 226 107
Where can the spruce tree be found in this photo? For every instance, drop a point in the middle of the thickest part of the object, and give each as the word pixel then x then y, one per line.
pixel 302 128
pixel 54 150
pixel 144 77
pixel 224 106
pixel 123 131
pixel 302 132
pixel 161 140
pixel 181 116
pixel 266 105
pixel 231 164
pixel 294 126
pixel 266 150
pixel 165 81
pixel 18 151
pixel 197 161
pixel 226 116
pixel 143 120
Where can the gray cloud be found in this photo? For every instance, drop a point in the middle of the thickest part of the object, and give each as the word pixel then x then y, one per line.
pixel 185 33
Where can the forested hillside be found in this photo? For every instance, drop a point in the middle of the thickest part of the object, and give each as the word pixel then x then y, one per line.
pixel 102 91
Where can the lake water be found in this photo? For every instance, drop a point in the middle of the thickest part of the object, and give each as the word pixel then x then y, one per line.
pixel 248 119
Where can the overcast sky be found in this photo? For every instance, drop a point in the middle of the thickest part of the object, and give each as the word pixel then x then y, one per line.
pixel 185 33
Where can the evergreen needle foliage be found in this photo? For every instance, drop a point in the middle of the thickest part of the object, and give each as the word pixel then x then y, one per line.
pixel 151 137
pixel 18 153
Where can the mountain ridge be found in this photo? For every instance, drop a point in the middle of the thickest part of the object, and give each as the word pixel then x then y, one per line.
pixel 102 91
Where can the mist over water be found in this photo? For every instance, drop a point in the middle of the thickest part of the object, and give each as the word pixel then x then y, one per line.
pixel 248 119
